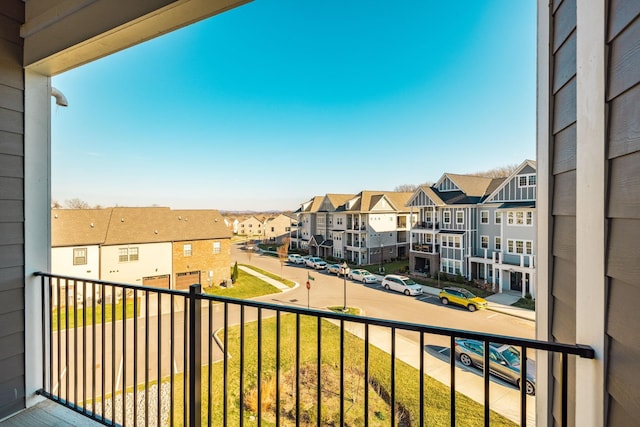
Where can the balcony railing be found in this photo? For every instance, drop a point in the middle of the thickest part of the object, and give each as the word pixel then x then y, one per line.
pixel 130 355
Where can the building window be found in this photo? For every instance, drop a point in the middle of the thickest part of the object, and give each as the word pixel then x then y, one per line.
pixel 498 243
pixel 520 218
pixel 186 249
pixel 484 242
pixel 498 218
pixel 527 181
pixel 459 217
pixel 79 256
pixel 216 247
pixel 446 217
pixel 484 217
pixel 520 247
pixel 128 254
pixel 529 218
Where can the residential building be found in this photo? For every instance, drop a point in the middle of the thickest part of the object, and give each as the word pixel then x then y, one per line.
pixel 153 246
pixel 364 228
pixel 279 227
pixel 480 228
pixel 251 227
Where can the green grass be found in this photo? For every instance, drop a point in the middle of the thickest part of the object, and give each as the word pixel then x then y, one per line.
pixel 436 398
pixel 286 282
pixel 527 303
pixel 350 310
pixel 108 315
pixel 247 286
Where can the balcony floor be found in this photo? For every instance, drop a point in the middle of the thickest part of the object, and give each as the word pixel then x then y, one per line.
pixel 48 414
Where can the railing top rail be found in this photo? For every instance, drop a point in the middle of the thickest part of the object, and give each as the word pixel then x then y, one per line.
pixel 575 349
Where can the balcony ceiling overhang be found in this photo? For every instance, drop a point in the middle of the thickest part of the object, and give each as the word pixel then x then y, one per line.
pixel 63 34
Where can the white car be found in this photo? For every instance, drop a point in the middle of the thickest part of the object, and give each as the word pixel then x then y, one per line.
pixel 401 284
pixel 362 276
pixel 316 262
pixel 295 259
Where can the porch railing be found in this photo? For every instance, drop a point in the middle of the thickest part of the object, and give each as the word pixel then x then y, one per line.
pixel 130 355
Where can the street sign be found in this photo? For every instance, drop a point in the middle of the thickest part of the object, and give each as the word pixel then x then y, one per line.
pixel 308 285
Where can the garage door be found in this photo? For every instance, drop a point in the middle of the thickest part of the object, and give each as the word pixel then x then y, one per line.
pixel 157 281
pixel 184 280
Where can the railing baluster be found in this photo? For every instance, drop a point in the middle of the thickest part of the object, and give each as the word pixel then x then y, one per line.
pixel 135 356
pixel 75 344
pixel 241 373
pixel 124 356
pixel 486 372
pixel 225 368
pixel 523 386
pixel 393 376
pixel 210 370
pixel 103 350
pixel 93 347
pixel 146 358
pixel 564 385
pixel 452 368
pixel 185 343
pixel 297 369
pixel 319 373
pixel 366 375
pixel 277 366
pixel 172 359
pixel 421 379
pixel 113 354
pixel 259 373
pixel 59 333
pixel 159 376
pixel 84 345
pixel 342 372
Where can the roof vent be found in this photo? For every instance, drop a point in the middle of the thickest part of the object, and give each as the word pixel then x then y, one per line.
pixel 91 225
pixel 179 218
pixel 121 219
pixel 155 231
pixel 56 216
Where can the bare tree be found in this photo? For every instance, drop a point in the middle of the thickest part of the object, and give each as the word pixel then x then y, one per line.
pixel 56 204
pixel 406 188
pixel 499 172
pixel 76 204
pixel 283 253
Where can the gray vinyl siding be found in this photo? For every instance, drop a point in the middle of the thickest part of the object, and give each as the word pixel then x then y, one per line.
pixel 512 192
pixel 12 382
pixel 562 286
pixel 623 214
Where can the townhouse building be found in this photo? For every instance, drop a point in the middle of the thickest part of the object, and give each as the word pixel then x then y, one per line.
pixel 251 227
pixel 156 246
pixel 279 227
pixel 477 227
pixel 363 228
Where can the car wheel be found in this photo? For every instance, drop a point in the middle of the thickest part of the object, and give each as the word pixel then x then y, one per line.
pixel 530 389
pixel 406 292
pixel 471 308
pixel 386 287
pixel 444 301
pixel 466 360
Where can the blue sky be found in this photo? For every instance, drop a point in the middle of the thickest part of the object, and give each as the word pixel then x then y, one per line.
pixel 272 103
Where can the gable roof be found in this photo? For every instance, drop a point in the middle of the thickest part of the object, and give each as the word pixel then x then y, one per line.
pixel 365 201
pixel 472 186
pixel 117 226
pixel 505 181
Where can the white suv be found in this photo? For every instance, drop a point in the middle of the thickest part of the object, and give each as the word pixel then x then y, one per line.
pixel 401 284
pixel 295 259
pixel 316 262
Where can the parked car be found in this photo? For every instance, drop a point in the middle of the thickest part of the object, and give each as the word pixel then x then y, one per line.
pixel 295 259
pixel 401 284
pixel 337 269
pixel 362 276
pixel 316 262
pixel 504 361
pixel 462 297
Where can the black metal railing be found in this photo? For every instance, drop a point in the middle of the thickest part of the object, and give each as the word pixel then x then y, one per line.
pixel 129 355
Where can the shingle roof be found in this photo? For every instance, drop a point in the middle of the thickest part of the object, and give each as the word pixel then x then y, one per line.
pixel 367 200
pixel 115 226
pixel 472 186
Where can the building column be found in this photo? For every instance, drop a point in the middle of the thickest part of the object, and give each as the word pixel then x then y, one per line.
pixel 590 209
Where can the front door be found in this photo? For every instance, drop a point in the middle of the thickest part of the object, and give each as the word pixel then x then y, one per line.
pixel 516 281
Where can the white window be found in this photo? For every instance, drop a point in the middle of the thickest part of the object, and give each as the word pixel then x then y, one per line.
pixel 186 249
pixel 427 216
pixel 484 242
pixel 520 218
pixel 446 217
pixel 484 217
pixel 459 217
pixel 79 256
pixel 498 243
pixel 216 247
pixel 128 254
pixel 527 181
pixel 498 218
pixel 529 218
pixel 520 247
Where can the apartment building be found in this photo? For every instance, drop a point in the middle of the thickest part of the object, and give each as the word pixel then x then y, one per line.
pixel 480 228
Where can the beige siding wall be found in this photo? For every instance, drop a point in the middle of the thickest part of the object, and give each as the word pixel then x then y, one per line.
pixel 154 259
pixel 12 392
pixel 562 285
pixel 623 268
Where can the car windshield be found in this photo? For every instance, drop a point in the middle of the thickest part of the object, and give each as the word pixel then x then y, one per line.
pixel 467 294
pixel 409 282
pixel 366 273
pixel 511 354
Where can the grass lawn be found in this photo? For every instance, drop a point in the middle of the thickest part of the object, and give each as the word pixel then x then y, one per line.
pixel 350 310
pixel 286 282
pixel 108 315
pixel 407 382
pixel 247 286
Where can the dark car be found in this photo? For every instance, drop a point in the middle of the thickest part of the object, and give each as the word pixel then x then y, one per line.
pixel 504 361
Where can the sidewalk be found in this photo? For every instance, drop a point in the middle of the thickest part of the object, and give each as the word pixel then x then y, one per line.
pixel 500 303
pixel 269 280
